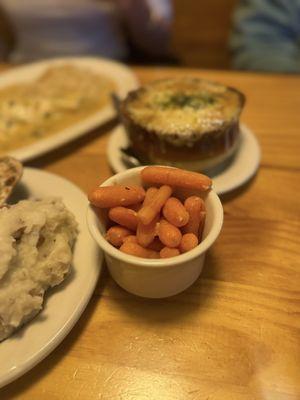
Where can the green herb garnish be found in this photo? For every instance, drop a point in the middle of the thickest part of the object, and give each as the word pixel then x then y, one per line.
pixel 181 100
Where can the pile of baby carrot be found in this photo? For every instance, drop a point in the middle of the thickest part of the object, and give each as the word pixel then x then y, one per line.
pixel 154 223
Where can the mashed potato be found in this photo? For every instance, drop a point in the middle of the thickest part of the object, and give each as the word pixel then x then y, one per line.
pixel 36 240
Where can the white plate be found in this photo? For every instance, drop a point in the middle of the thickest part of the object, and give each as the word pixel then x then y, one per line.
pixel 237 171
pixel 64 304
pixel 124 80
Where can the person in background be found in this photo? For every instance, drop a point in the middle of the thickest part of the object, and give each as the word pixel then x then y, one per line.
pixel 58 28
pixel 7 35
pixel 266 36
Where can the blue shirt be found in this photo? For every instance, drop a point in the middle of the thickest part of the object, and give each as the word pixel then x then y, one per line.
pixel 266 35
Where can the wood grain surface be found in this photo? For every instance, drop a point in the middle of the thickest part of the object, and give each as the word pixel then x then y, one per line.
pixel 235 334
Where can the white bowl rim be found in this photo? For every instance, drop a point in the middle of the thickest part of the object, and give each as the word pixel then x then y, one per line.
pixel 155 263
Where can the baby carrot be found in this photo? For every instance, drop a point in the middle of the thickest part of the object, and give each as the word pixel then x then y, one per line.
pixel 168 252
pixel 175 213
pixel 169 234
pixel 176 177
pixel 130 238
pixel 124 216
pixel 116 234
pixel 146 233
pixel 136 250
pixel 188 242
pixel 150 193
pixel 113 196
pixel 148 212
pixel 194 206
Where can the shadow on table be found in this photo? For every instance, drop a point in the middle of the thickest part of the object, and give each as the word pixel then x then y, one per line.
pixel 173 309
pixel 227 197
pixel 16 388
pixel 71 147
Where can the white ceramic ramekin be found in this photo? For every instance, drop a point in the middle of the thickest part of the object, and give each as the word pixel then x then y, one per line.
pixel 155 278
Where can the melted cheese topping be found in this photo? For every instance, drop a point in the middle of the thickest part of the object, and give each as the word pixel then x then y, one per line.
pixel 62 96
pixel 184 107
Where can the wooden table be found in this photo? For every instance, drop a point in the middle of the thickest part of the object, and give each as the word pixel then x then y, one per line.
pixel 235 334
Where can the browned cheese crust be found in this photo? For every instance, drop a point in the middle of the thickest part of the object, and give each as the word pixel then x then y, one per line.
pixel 182 119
